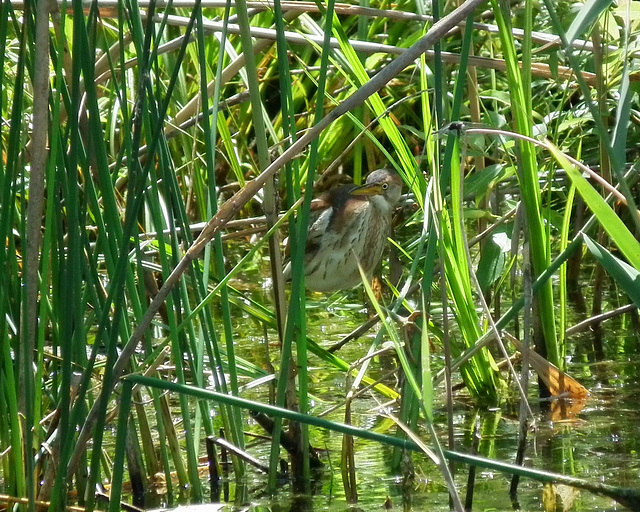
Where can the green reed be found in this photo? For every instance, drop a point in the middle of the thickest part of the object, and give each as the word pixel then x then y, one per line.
pixel 154 117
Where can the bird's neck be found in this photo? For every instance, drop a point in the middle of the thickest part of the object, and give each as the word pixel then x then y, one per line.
pixel 380 204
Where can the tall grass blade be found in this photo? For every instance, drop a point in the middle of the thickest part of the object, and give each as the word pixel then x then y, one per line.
pixel 562 284
pixel 118 457
pixel 587 14
pixel 529 186
pixel 623 112
pixel 624 274
pixel 609 220
pixel 416 388
pixel 232 418
pixel 408 164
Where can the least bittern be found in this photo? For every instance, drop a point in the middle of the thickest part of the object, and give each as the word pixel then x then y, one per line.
pixel 349 225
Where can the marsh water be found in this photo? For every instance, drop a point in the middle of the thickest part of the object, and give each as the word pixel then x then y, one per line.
pixel 600 443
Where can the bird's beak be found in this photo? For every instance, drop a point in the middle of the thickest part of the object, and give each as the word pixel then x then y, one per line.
pixel 367 190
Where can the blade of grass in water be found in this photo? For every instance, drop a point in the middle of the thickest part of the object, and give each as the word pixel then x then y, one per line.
pixel 413 381
pixel 479 375
pixel 529 186
pixel 231 417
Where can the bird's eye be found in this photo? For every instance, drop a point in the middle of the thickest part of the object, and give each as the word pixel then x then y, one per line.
pixel 385 186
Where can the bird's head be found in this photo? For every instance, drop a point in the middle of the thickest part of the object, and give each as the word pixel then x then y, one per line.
pixel 383 187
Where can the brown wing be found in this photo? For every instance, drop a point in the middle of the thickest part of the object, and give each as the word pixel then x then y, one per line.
pixel 320 217
pixel 318 207
pixel 323 214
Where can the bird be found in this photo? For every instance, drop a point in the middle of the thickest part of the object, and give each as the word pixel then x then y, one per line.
pixel 349 225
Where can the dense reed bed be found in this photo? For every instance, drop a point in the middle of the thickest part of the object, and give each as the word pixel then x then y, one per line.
pixel 156 154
